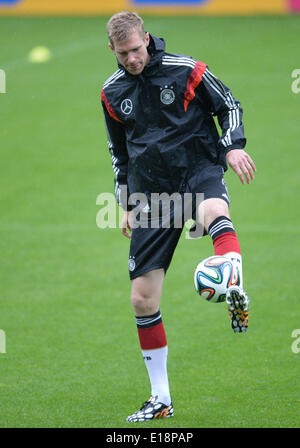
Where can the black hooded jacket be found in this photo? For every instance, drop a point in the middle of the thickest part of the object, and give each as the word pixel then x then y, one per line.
pixel 160 125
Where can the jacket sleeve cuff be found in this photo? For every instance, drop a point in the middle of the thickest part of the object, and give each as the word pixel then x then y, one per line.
pixel 123 197
pixel 236 145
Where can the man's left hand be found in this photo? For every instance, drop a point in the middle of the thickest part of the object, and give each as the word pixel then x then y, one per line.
pixel 242 164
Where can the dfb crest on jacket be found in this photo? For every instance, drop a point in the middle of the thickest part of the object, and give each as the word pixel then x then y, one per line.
pixel 167 95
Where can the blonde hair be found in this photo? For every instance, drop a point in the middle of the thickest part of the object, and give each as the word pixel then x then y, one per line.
pixel 122 24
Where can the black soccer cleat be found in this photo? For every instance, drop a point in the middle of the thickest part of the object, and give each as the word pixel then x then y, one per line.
pixel 151 410
pixel 238 303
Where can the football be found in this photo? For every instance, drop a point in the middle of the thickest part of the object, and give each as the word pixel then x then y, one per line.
pixel 213 276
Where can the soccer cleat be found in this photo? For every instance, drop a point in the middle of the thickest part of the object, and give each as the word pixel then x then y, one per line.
pixel 151 410
pixel 238 303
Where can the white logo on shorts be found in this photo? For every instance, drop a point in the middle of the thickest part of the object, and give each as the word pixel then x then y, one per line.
pixel 131 264
pixel 225 196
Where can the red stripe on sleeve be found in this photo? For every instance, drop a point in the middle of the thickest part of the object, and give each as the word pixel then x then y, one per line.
pixel 192 83
pixel 110 110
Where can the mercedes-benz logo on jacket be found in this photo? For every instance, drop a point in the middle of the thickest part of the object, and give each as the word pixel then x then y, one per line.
pixel 126 106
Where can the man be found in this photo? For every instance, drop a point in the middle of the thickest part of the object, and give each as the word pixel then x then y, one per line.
pixel 159 110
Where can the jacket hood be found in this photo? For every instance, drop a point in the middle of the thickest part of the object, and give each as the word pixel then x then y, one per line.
pixel 156 44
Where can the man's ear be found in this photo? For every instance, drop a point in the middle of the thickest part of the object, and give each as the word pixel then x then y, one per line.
pixel 147 39
pixel 111 47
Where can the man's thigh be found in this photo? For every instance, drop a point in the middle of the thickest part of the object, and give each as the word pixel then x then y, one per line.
pixel 215 201
pixel 151 249
pixel 211 209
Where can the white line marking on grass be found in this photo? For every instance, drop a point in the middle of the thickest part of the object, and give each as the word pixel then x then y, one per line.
pixel 264 228
pixel 57 52
pixel 268 228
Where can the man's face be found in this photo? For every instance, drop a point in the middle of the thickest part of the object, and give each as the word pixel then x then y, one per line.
pixel 132 53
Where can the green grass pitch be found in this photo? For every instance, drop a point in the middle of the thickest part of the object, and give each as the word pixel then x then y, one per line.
pixel 72 354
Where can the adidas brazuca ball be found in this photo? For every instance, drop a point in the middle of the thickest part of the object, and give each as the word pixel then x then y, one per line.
pixel 213 276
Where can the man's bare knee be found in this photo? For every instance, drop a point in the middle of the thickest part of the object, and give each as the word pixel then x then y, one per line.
pixel 146 293
pixel 143 305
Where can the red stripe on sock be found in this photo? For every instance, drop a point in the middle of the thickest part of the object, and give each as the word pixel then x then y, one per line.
pixel 152 337
pixel 227 242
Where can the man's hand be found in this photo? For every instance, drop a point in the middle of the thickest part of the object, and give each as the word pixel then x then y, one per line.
pixel 126 224
pixel 242 164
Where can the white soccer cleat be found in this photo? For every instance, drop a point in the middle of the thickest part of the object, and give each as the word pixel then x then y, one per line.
pixel 238 304
pixel 151 410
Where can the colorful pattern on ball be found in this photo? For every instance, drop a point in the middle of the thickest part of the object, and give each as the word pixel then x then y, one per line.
pixel 213 276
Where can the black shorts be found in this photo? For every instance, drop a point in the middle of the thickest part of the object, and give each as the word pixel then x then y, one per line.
pixel 153 248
